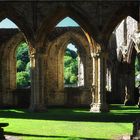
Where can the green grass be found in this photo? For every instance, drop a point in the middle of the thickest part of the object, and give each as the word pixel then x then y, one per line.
pixel 70 124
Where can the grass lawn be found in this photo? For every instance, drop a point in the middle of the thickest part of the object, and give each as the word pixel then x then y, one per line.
pixel 69 123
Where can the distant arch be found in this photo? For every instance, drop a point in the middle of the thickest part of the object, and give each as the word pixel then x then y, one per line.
pixel 132 49
pixel 131 10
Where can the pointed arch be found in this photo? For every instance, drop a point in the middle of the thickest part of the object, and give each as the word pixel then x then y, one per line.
pixel 121 13
pixel 56 50
pixel 59 14
pixel 10 12
pixel 8 65
pixel 132 50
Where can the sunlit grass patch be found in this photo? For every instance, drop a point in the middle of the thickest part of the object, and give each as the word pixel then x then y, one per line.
pixel 70 123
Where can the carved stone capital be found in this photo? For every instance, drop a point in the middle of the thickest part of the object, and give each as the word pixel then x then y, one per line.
pixel 32 53
pixel 96 55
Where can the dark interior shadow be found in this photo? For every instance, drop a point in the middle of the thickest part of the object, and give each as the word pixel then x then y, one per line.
pixel 47 136
pixel 67 114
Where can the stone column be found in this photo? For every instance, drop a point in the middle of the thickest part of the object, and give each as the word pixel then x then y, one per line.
pixel 98 87
pixel 129 88
pixel 37 82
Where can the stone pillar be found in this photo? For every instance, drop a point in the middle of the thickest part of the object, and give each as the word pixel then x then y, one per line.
pixel 37 82
pixel 129 89
pixel 98 87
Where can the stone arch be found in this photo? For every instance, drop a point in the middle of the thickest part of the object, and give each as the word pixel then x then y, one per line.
pixel 60 13
pixel 55 55
pixel 16 16
pixel 131 51
pixel 8 67
pixel 122 12
pixel 83 52
pixel 122 69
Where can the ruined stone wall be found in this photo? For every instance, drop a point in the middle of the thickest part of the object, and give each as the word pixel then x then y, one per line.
pixel 122 73
pixel 37 20
pixel 58 94
pixel 10 40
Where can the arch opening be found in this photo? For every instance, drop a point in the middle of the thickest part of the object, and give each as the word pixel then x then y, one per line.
pixel 23 66
pixel 8 24
pixel 68 67
pixel 12 38
pixel 73 67
pixel 122 54
pixel 67 22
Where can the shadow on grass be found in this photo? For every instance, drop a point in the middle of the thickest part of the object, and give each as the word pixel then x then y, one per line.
pixel 123 107
pixel 118 114
pixel 47 136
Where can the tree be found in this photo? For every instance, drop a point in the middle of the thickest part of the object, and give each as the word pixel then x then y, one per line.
pixel 70 67
pixel 20 65
pixel 137 71
pixel 23 65
pixel 28 67
pixel 22 52
pixel 23 79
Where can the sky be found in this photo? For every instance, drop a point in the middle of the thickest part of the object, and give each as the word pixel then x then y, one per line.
pixel 67 22
pixel 6 23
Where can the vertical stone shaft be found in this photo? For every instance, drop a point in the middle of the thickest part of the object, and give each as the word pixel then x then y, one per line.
pixel 98 95
pixel 37 76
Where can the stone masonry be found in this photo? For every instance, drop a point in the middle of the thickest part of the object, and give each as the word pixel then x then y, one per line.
pixel 103 69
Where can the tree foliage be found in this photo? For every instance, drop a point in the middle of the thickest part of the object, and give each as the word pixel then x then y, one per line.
pixel 137 65
pixel 23 79
pixel 137 71
pixel 23 65
pixel 28 67
pixel 70 67
pixel 22 52
pixel 20 65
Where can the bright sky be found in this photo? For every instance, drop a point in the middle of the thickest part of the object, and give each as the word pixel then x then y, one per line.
pixel 72 47
pixel 67 22
pixel 6 23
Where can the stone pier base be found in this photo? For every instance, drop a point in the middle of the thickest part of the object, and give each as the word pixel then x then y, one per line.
pixel 37 108
pixel 96 107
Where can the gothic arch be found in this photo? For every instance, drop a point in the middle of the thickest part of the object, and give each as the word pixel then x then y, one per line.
pixel 131 10
pixel 83 52
pixel 55 54
pixel 132 50
pixel 10 12
pixel 8 65
pixel 60 13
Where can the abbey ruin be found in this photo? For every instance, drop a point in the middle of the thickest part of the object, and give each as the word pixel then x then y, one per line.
pixel 108 41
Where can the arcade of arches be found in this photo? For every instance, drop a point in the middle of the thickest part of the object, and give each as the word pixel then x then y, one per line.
pixel 107 42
